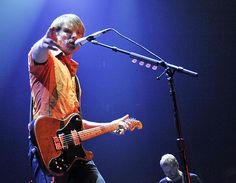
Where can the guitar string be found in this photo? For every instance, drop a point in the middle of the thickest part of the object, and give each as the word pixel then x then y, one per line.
pixel 68 139
pixel 92 129
pixel 87 132
pixel 84 133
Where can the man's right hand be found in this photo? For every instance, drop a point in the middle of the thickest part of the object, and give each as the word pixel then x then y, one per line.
pixel 49 41
pixel 40 48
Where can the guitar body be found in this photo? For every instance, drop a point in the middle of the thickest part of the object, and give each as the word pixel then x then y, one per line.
pixel 57 151
pixel 58 143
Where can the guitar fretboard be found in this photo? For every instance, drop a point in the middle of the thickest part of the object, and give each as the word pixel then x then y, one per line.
pixel 97 131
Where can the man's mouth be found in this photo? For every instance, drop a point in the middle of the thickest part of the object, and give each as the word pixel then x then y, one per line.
pixel 71 45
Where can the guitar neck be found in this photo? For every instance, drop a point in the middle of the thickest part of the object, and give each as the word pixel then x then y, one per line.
pixel 97 131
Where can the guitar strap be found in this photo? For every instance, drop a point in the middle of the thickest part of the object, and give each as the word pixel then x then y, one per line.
pixel 33 150
pixel 78 93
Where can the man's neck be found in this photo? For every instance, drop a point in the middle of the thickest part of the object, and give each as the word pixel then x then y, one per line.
pixel 57 52
pixel 177 178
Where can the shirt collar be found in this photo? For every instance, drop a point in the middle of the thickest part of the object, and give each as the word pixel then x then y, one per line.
pixel 70 63
pixel 56 52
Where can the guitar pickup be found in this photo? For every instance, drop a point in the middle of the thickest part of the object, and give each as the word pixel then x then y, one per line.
pixel 75 137
pixel 57 143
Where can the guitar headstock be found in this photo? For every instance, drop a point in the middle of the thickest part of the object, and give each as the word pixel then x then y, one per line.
pixel 133 123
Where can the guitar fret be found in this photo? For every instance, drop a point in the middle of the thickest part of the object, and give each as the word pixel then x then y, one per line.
pixel 93 132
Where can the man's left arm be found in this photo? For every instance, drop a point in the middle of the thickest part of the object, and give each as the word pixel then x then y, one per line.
pixel 122 122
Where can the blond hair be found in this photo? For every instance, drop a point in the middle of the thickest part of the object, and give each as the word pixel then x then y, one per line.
pixel 67 19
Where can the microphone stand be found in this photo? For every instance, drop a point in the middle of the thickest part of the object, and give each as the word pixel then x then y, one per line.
pixel 170 69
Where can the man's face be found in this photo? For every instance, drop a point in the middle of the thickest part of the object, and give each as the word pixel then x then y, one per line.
pixel 66 37
pixel 171 171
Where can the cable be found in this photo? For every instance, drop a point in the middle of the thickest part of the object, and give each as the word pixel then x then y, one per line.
pixel 137 44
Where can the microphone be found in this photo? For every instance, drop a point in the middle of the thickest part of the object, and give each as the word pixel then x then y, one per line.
pixel 84 40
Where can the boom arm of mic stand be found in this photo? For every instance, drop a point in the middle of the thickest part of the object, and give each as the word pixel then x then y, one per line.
pixel 148 59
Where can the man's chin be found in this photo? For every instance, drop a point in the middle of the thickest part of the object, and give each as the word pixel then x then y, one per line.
pixel 174 178
pixel 70 51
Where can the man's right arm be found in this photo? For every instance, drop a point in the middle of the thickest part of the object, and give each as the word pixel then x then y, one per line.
pixel 39 53
pixel 40 49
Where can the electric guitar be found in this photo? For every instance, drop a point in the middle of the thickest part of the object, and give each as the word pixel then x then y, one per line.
pixel 58 143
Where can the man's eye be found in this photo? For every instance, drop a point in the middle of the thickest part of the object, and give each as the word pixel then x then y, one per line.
pixel 79 33
pixel 67 31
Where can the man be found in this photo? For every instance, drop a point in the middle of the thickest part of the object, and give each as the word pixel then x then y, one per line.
pixel 170 167
pixel 55 94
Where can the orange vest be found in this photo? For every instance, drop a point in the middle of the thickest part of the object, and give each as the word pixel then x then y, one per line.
pixel 53 87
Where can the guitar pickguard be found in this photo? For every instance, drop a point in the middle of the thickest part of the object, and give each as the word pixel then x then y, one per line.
pixel 57 150
pixel 70 152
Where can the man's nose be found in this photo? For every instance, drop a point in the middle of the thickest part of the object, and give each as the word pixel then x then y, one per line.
pixel 74 35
